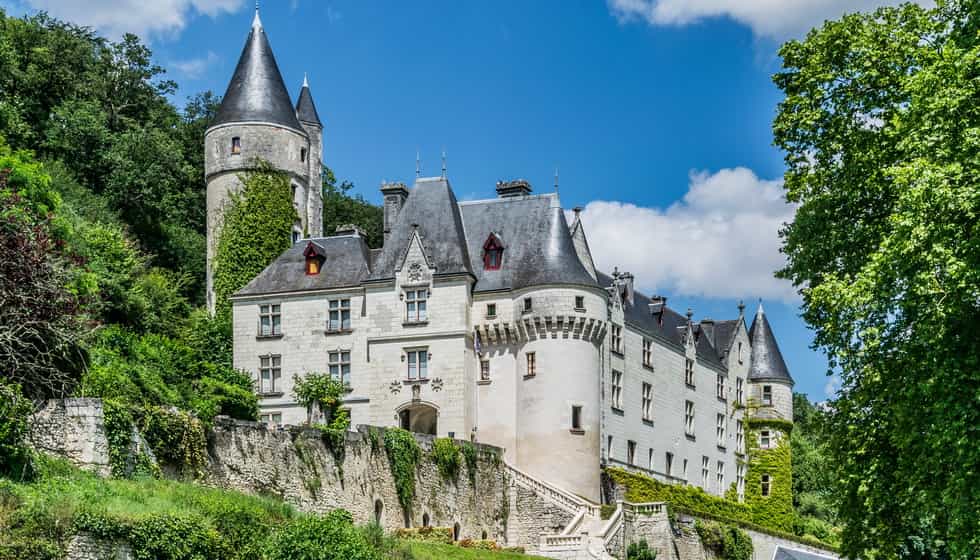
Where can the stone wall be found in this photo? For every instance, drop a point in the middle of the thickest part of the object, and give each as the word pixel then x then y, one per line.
pixel 532 516
pixel 73 429
pixel 84 546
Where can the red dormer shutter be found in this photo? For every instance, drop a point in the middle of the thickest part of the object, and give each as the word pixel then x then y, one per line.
pixel 493 253
pixel 313 260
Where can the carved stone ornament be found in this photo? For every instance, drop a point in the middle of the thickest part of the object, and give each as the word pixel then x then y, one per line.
pixel 396 386
pixel 415 272
pixel 416 393
pixel 437 384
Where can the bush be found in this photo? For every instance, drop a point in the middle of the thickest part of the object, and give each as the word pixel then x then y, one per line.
pixel 727 542
pixel 330 537
pixel 443 535
pixel 640 551
pixel 469 454
pixel 403 456
pixel 445 454
pixel 479 544
pixel 15 457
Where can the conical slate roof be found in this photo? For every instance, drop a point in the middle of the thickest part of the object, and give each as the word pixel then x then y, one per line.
pixel 256 92
pixel 305 108
pixel 767 361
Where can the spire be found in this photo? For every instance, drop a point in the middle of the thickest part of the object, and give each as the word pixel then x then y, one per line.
pixel 256 92
pixel 418 164
pixel 767 361
pixel 444 163
pixel 305 108
pixel 256 21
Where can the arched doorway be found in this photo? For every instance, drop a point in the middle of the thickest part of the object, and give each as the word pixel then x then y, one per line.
pixel 420 418
pixel 425 519
pixel 455 531
pixel 379 511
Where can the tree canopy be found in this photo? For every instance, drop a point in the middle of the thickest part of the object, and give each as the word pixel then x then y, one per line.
pixel 880 125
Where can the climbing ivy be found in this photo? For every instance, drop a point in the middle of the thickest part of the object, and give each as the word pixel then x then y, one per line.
pixel 403 455
pixel 470 456
pixel 726 541
pixel 445 454
pixel 118 423
pixel 322 394
pixel 776 509
pixel 177 438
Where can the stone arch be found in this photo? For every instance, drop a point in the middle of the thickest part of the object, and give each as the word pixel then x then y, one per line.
pixel 419 416
pixel 456 531
pixel 425 519
pixel 483 536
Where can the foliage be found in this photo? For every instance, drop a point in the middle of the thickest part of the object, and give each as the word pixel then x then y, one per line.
pixel 319 393
pixel 480 544
pixel 640 551
pixel 16 459
pixel 880 125
pixel 776 509
pixel 445 454
pixel 470 456
pixel 426 534
pixel 403 455
pixel 331 537
pixel 257 226
pixel 727 542
pixel 341 208
pixel 433 551
pixel 606 511
pixel 177 438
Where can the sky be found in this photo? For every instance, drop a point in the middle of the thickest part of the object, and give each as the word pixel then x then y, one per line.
pixel 656 113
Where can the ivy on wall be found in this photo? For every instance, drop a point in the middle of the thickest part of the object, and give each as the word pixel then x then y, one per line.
pixel 445 454
pixel 726 541
pixel 470 456
pixel 176 438
pixel 403 455
pixel 776 509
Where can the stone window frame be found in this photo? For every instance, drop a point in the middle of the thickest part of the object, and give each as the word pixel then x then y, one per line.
pixel 646 401
pixel 616 340
pixel 416 305
pixel 484 371
pixel 684 469
pixel 767 395
pixel 336 360
pixel 765 485
pixel 739 391
pixel 579 303
pixel 739 436
pixel 765 439
pixel 705 471
pixel 491 311
pixel 616 390
pixel 720 429
pixel 576 419
pixel 273 364
pixel 740 478
pixel 236 145
pixel 720 387
pixel 528 305
pixel 272 311
pixel 689 418
pixel 530 365
pixel 269 418
pixel 302 155
pixel 689 372
pixel 422 356
pixel 720 476
pixel 668 463
pixel 740 352
pixel 339 309
pixel 650 459
pixel 630 452
pixel 647 356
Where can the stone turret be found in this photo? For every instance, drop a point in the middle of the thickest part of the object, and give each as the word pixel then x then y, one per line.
pixel 257 122
pixel 771 383
pixel 310 119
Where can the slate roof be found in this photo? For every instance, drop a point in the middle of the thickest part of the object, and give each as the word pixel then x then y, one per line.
pixel 783 553
pixel 431 208
pixel 724 333
pixel 346 260
pixel 538 246
pixel 256 92
pixel 767 361
pixel 305 108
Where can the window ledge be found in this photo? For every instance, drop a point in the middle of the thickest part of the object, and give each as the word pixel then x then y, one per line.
pixel 690 437
pixel 723 400
pixel 329 332
pixel 648 367
pixel 580 309
pixel 415 323
pixel 618 353
pixel 577 431
pixel 271 394
pixel 491 317
pixel 648 422
pixel 722 448
pixel 530 376
pixel 419 381
pixel 483 381
pixel 618 411
pixel 690 385
pixel 268 336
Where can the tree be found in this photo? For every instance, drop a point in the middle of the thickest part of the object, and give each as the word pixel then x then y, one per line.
pixel 341 208
pixel 879 124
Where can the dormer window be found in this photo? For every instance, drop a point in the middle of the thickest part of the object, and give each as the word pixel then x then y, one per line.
pixel 236 145
pixel 493 253
pixel 314 260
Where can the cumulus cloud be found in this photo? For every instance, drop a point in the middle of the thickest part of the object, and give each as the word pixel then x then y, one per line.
pixel 832 386
pixel 775 19
pixel 196 67
pixel 141 17
pixel 719 240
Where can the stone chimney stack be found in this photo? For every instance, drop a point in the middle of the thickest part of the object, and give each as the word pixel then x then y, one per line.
pixel 517 187
pixel 394 197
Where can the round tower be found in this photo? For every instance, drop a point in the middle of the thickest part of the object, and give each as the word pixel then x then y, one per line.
pixel 255 122
pixel 770 383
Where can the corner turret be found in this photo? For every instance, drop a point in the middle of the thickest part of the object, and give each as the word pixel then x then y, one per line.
pixel 772 385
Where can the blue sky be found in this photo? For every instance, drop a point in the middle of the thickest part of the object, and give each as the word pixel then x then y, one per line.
pixel 656 112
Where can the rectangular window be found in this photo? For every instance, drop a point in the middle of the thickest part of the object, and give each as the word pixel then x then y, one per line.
pixel 740 478
pixel 689 372
pixel 617 389
pixel 647 352
pixel 704 472
pixel 617 339
pixel 720 476
pixel 766 483
pixel 767 395
pixel 577 418
pixel 739 431
pixel 415 306
pixel 689 418
pixel 484 370
pixel 236 145
pixel 684 470
pixel 339 315
pixel 527 305
pixel 720 429
pixel 418 364
pixel 532 365
pixel 765 439
pixel 580 303
pixel 669 462
pixel 339 366
pixel 302 154
pixel 647 401
pixel 650 459
pixel 270 320
pixel 270 372
pixel 630 452
pixel 272 418
pixel 609 447
pixel 739 396
pixel 491 310
pixel 720 387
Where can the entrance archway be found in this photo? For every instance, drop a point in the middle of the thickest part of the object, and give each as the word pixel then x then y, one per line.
pixel 419 418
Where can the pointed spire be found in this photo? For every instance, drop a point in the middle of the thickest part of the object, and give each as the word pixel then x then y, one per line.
pixel 556 178
pixel 767 361
pixel 306 81
pixel 256 92
pixel 741 309
pixel 418 164
pixel 256 21
pixel 444 163
pixel 305 108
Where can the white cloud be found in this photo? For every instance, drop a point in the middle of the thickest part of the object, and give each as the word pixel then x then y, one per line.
pixel 775 19
pixel 832 386
pixel 145 18
pixel 196 67
pixel 720 240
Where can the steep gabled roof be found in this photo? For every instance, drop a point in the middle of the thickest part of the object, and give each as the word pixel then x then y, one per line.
pixel 346 261
pixel 432 210
pixel 538 247
pixel 256 92
pixel 724 334
pixel 305 108
pixel 767 361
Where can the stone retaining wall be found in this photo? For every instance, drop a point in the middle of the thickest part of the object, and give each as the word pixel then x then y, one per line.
pixel 73 429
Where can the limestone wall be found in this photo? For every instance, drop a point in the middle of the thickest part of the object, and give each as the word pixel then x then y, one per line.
pixel 73 429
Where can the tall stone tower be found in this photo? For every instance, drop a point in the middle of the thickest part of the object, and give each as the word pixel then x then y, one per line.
pixel 257 122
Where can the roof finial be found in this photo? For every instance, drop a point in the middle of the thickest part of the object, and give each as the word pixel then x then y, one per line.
pixel 760 311
pixel 444 163
pixel 256 22
pixel 418 164
pixel 741 308
pixel 690 313
pixel 306 82
pixel 556 179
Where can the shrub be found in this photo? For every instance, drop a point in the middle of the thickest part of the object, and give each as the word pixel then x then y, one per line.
pixel 403 456
pixel 479 544
pixel 176 438
pixel 640 551
pixel 443 535
pixel 15 457
pixel 470 456
pixel 330 537
pixel 445 454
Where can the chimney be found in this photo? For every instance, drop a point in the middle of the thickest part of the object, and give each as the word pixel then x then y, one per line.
pixel 624 283
pixel 394 197
pixel 657 305
pixel 349 229
pixel 517 187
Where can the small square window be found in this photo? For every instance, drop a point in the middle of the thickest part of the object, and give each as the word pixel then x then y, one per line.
pixel 766 484
pixel 532 365
pixel 580 302
pixel 484 370
pixel 576 417
pixel 491 310
pixel 527 304
pixel 767 395
pixel 236 145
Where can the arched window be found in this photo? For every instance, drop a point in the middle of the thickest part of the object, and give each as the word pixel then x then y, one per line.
pixel 493 253
pixel 314 259
pixel 425 519
pixel 379 511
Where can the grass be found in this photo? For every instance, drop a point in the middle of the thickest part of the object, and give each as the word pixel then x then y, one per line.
pixel 432 551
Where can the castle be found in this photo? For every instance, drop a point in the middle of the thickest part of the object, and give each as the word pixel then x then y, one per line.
pixel 485 320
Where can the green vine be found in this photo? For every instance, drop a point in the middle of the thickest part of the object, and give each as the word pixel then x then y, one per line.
pixel 775 509
pixel 403 455
pixel 118 424
pixel 177 438
pixel 445 454
pixel 470 456
pixel 726 541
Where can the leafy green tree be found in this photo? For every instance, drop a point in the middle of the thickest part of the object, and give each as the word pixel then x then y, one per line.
pixel 257 227
pixel 15 457
pixel 342 208
pixel 879 124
